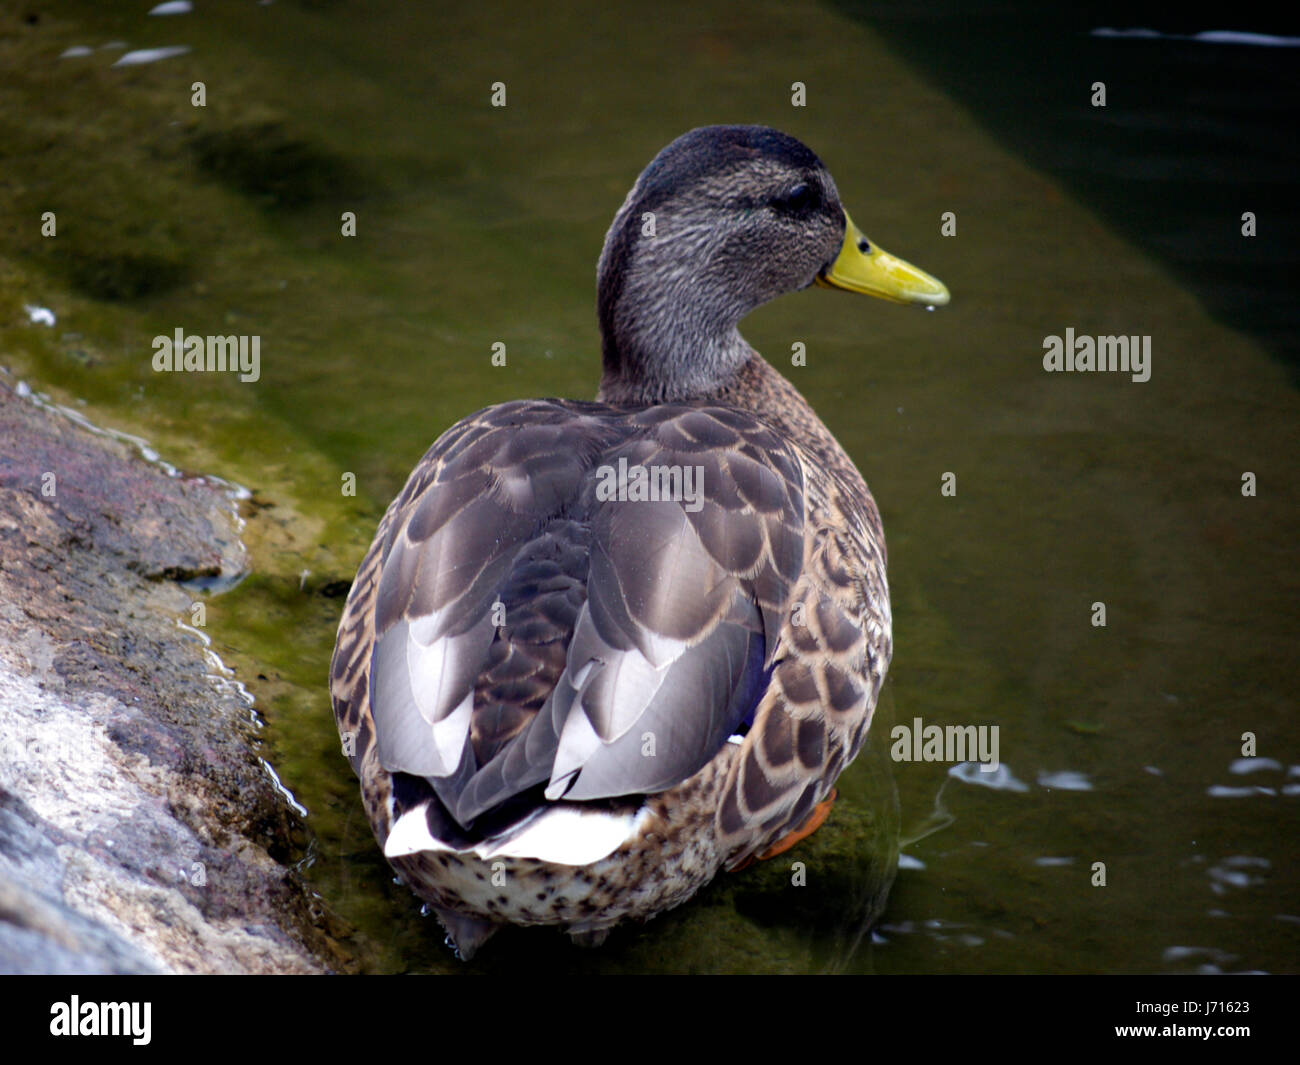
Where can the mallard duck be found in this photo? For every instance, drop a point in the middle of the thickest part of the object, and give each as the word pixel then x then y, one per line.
pixel 599 651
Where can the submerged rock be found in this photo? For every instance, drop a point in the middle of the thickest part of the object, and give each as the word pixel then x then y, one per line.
pixel 139 829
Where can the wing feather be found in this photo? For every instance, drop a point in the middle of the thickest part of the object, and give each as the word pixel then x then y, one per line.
pixel 637 636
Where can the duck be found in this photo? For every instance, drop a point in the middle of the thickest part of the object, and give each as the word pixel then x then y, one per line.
pixel 600 651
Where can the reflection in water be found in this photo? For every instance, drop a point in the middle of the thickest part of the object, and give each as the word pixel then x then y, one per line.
pixel 151 55
pixel 1066 780
pixel 1263 40
pixel 1001 779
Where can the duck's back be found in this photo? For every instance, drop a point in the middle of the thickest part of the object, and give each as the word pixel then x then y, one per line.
pixel 572 601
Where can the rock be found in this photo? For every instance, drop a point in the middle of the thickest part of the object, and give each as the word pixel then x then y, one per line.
pixel 139 829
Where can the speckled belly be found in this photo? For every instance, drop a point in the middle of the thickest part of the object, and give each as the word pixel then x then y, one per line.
pixel 673 858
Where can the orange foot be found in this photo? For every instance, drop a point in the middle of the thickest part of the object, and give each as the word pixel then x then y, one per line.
pixel 811 824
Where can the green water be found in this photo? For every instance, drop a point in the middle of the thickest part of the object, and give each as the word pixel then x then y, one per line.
pixel 478 225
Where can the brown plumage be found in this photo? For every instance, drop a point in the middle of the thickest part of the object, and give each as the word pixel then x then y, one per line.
pixel 572 696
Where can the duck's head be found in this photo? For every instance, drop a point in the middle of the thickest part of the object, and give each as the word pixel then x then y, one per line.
pixel 722 220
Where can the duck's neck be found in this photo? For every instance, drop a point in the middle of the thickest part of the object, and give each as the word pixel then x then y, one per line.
pixel 669 375
pixel 668 315
pixel 749 383
pixel 759 388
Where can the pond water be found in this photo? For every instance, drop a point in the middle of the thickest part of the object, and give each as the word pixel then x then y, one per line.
pixel 1125 744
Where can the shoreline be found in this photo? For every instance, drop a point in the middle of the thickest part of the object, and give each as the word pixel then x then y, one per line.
pixel 140 829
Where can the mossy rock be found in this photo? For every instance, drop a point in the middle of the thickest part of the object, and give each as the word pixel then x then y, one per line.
pixel 837 878
pixel 123 275
pixel 267 161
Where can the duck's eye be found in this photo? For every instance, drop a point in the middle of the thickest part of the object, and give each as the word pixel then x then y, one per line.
pixel 799 198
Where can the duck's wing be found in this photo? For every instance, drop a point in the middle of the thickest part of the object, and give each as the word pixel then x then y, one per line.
pixel 835 649
pixel 516 627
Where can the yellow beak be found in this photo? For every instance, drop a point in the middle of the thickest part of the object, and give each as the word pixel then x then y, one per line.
pixel 863 267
